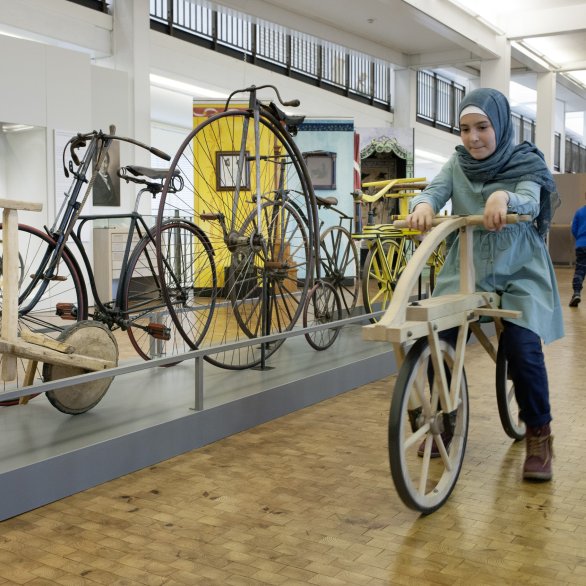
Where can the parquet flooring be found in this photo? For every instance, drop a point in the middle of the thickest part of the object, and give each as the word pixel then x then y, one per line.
pixel 308 499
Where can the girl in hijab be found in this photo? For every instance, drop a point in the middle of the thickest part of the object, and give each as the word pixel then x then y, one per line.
pixel 490 176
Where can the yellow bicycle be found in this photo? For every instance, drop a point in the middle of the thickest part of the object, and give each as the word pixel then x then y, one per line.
pixel 389 248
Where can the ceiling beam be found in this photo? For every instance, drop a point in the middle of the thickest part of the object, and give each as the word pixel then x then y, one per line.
pixel 458 26
pixel 455 57
pixel 545 22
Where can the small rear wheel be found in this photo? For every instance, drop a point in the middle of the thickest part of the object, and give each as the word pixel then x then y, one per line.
pixel 323 306
pixel 505 398
pixel 340 265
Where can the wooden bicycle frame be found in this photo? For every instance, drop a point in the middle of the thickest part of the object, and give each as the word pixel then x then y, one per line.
pixel 404 323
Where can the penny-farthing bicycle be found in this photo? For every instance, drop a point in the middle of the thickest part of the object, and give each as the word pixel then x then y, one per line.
pixel 247 187
pixel 429 414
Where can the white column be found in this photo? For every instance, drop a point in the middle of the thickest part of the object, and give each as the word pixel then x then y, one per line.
pixel 131 53
pixel 545 123
pixel 561 128
pixel 496 73
pixel 404 108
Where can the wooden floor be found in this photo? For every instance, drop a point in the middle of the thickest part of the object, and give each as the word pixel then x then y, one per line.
pixel 308 499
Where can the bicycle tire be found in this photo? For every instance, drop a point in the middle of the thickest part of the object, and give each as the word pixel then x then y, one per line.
pixel 380 275
pixel 322 306
pixel 424 484
pixel 160 325
pixel 212 198
pixel 340 265
pixel 505 399
pixel 35 248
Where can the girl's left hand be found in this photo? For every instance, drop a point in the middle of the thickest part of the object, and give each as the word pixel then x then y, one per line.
pixel 495 210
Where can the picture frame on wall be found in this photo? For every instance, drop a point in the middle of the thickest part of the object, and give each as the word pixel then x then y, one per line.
pixel 227 171
pixel 321 166
pixel 106 188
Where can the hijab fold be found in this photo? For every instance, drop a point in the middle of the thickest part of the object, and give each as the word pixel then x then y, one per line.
pixel 523 162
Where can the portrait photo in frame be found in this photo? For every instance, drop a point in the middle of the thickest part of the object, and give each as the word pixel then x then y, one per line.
pixel 227 171
pixel 322 168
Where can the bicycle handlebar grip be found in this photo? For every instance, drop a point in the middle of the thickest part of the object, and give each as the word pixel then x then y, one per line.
pixel 292 103
pixel 160 154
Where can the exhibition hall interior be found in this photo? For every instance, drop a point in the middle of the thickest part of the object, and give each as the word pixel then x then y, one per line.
pixel 229 354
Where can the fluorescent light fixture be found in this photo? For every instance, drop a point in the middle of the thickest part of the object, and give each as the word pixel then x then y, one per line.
pixel 12 128
pixel 185 88
pixel 430 156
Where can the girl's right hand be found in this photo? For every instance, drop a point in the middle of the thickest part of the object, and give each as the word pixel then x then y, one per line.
pixel 421 217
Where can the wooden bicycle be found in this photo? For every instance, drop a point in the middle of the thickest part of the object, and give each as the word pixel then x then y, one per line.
pixel 429 408
pixel 87 347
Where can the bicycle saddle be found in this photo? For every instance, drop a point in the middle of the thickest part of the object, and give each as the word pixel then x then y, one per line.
pixel 290 121
pixel 326 202
pixel 149 172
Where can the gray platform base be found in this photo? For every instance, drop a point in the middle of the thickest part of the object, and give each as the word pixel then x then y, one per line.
pixel 148 416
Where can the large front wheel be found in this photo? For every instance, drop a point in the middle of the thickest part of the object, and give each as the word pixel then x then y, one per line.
pixel 427 439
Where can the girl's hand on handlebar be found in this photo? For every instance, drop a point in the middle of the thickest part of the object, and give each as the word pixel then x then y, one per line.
pixel 495 211
pixel 421 217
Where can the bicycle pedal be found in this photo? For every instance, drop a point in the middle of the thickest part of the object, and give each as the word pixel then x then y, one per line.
pixel 66 311
pixel 159 331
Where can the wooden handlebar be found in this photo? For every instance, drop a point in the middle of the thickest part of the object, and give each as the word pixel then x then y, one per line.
pixel 475 220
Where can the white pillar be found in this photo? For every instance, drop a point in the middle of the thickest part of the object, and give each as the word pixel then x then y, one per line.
pixel 405 106
pixel 496 73
pixel 560 127
pixel 131 53
pixel 545 123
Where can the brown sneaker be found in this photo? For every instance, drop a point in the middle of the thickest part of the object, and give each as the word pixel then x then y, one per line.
pixel 539 453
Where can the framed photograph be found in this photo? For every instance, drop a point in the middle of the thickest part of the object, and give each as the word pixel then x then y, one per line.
pixel 322 168
pixel 227 171
pixel 106 190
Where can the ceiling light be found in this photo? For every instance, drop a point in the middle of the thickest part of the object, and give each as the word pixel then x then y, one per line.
pixel 185 88
pixel 11 128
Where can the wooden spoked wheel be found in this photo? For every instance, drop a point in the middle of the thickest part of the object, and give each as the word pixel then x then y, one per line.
pixel 419 428
pixel 88 338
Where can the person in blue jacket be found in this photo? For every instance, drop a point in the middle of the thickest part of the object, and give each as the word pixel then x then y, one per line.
pixel 579 233
pixel 491 176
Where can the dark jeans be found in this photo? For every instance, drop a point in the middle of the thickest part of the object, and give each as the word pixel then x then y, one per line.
pixel 580 270
pixel 526 369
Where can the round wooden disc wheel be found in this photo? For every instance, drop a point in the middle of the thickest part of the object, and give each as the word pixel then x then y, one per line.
pixel 92 339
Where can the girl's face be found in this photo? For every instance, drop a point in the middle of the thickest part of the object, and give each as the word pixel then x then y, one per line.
pixel 478 136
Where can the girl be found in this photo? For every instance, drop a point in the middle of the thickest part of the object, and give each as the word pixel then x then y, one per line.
pixel 490 176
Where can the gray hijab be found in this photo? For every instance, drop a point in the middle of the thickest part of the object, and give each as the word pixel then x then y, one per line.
pixel 523 162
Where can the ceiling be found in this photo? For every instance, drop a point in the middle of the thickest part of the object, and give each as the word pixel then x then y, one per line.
pixel 454 35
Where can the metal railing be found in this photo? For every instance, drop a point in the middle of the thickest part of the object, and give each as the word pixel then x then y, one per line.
pixel 196 355
pixel 438 100
pixel 295 54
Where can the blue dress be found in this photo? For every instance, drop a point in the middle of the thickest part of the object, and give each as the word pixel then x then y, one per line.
pixel 514 261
